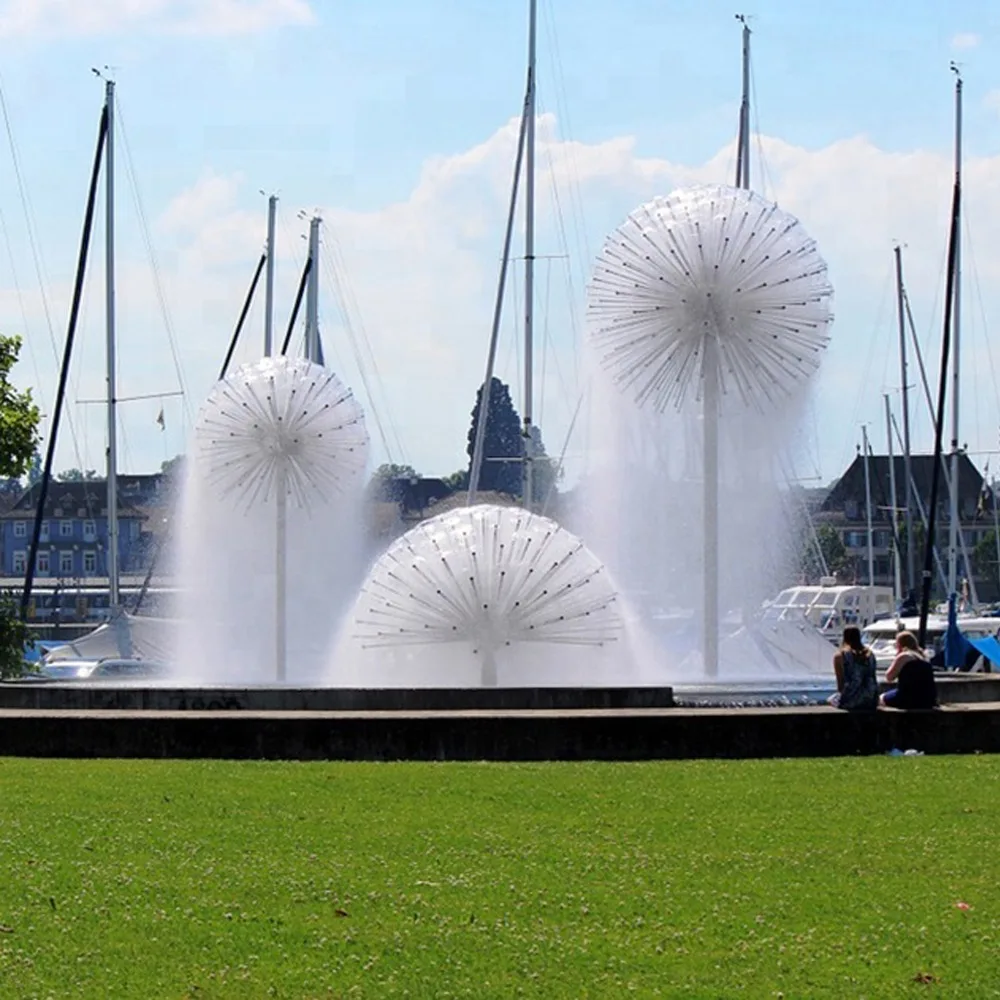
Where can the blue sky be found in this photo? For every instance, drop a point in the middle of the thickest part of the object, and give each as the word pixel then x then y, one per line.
pixel 394 119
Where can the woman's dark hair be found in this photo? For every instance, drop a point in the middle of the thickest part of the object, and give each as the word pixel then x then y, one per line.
pixel 852 639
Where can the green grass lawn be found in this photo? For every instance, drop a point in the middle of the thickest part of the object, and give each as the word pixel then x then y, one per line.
pixel 811 878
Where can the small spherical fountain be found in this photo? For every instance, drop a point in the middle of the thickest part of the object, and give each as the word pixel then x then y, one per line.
pixel 709 289
pixel 277 430
pixel 712 297
pixel 502 587
pixel 281 427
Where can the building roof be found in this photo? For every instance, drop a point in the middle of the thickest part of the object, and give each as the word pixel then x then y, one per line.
pixel 851 485
pixel 81 498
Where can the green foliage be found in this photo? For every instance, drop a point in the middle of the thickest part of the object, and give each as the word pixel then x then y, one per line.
pixel 18 447
pixel 984 556
pixel 803 878
pixel 14 634
pixel 389 470
pixel 457 480
pixel 76 475
pixel 835 553
pixel 383 484
pixel 503 445
pixel 18 416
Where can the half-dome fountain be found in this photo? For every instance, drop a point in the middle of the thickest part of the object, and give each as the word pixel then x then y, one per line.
pixel 486 595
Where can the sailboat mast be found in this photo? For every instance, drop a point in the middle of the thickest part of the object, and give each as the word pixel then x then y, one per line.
pixel 868 507
pixel 953 537
pixel 911 549
pixel 896 563
pixel 272 204
pixel 529 263
pixel 743 136
pixel 114 597
pixel 312 294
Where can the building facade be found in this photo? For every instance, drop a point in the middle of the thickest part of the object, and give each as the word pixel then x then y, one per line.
pixel 74 532
pixel 846 508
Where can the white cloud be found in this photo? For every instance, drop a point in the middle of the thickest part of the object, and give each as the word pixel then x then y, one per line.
pixel 423 273
pixel 189 17
pixel 991 100
pixel 965 40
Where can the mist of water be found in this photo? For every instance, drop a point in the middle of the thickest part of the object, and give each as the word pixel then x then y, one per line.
pixel 639 505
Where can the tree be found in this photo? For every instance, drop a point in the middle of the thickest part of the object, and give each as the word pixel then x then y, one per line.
pixel 457 480
pixel 984 556
pixel 18 445
pixel 76 475
pixel 384 483
pixel 503 445
pixel 834 552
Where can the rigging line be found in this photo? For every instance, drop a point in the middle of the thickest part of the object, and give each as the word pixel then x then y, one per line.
pixel 331 276
pixel 765 172
pixel 978 288
pixel 562 455
pixel 28 340
pixel 154 264
pixel 562 110
pixel 354 315
pixel 546 344
pixel 35 253
pixel 564 247
pixel 863 386
pixel 28 216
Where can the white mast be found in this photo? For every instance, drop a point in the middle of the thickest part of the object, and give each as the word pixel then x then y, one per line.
pixel 114 598
pixel 897 565
pixel 272 203
pixel 868 508
pixel 529 264
pixel 312 293
pixel 953 526
pixel 911 548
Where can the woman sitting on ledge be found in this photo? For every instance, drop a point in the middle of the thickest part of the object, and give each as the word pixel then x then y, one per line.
pixel 913 674
pixel 854 664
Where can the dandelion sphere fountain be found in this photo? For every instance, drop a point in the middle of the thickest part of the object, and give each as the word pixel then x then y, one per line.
pixel 278 430
pixel 711 296
pixel 500 587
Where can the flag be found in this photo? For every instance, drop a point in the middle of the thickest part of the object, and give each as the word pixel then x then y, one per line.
pixel 161 419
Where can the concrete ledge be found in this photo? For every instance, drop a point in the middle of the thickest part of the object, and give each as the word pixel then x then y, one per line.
pixel 265 698
pixel 498 735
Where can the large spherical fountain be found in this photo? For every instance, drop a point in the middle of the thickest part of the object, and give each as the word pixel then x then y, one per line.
pixel 715 304
pixel 485 595
pixel 278 445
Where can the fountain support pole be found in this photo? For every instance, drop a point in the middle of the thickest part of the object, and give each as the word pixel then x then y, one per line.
pixel 280 574
pixel 710 505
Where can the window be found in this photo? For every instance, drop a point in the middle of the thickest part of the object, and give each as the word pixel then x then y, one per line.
pixel 89 531
pixel 44 536
pixel 89 563
pixel 42 563
pixel 20 561
pixel 66 562
pixel 20 529
pixel 65 529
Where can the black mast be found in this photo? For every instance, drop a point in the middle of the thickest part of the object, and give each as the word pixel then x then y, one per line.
pixel 50 448
pixel 949 304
